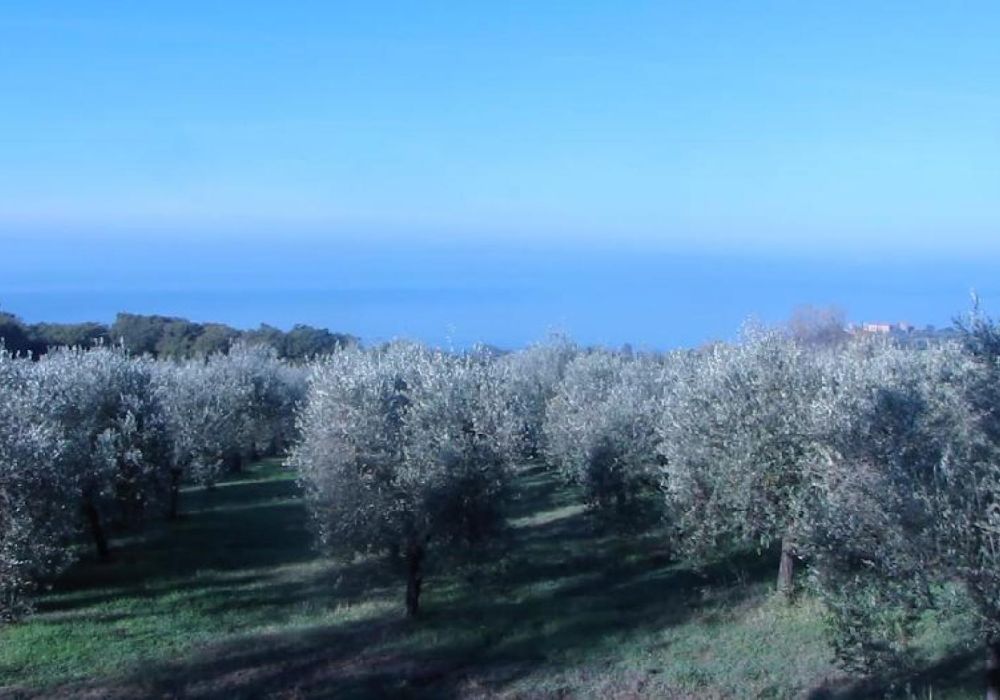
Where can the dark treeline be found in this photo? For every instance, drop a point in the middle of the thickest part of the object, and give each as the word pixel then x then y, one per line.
pixel 167 336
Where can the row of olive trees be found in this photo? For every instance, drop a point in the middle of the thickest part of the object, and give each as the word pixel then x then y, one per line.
pixel 874 465
pixel 224 410
pixel 716 436
pixel 97 439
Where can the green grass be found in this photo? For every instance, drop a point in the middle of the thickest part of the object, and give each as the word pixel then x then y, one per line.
pixel 232 602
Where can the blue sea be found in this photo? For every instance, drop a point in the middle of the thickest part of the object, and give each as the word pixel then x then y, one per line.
pixel 456 294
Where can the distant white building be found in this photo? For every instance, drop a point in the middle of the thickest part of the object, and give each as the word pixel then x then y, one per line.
pixel 876 327
pixel 884 328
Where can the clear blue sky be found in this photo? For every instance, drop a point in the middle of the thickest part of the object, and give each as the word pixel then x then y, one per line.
pixel 865 132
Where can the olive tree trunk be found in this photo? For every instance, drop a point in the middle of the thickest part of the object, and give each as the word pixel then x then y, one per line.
pixel 786 567
pixel 414 578
pixel 96 530
pixel 174 508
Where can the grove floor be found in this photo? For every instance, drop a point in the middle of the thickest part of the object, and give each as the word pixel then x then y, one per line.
pixel 231 601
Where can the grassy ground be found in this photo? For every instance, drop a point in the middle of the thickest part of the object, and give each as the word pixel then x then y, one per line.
pixel 231 602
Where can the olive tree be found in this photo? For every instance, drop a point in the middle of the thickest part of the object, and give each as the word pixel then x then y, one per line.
pixel 907 501
pixel 970 502
pixel 401 447
pixel 736 440
pixel 888 417
pixel 37 496
pixel 267 392
pixel 600 427
pixel 109 417
pixel 201 409
pixel 459 441
pixel 286 396
pixel 956 453
pixel 533 377
pixel 224 408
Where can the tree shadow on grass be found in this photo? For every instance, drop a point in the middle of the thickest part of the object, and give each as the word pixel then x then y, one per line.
pixel 216 541
pixel 560 601
pixel 329 662
pixel 962 670
pixel 237 494
pixel 566 590
pixel 470 639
